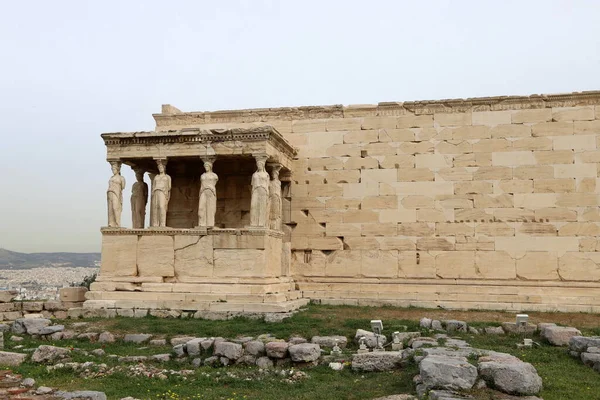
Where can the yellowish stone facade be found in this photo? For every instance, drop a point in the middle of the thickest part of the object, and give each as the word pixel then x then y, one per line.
pixel 485 203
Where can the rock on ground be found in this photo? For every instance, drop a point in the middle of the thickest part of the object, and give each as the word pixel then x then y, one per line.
pixel 264 363
pixel 581 343
pixel 82 395
pixel 453 325
pixel 254 348
pixel 136 337
pixel 49 354
pixel 442 372
pixel 397 397
pixel 106 337
pixel 305 352
pixel 371 339
pixel 277 349
pixel 559 335
pixel 30 326
pixel 230 350
pixel 511 376
pixel 377 361
pixel 11 359
pixel 425 323
pixel 329 341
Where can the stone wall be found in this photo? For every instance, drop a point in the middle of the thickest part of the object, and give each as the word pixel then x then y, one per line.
pixel 477 203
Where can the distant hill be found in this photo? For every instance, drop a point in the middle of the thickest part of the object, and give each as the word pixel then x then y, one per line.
pixel 14 260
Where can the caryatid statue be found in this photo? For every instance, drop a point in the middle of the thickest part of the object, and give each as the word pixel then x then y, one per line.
pixel 161 193
pixel 260 195
pixel 114 195
pixel 275 199
pixel 151 175
pixel 207 208
pixel 139 199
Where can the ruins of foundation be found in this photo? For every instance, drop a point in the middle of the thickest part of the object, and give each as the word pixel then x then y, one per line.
pixel 483 203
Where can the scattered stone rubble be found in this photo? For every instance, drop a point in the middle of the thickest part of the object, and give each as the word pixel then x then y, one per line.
pixel 587 349
pixel 448 366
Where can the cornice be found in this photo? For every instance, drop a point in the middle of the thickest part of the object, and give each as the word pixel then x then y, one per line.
pixel 154 231
pixel 201 136
pixel 381 109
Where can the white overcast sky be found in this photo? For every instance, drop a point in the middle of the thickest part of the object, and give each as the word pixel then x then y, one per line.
pixel 70 70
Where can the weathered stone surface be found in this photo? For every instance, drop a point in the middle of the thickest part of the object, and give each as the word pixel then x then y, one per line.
pixel 264 363
pixel 304 352
pixel 590 358
pixel 277 349
pixel 377 361
pixel 106 337
pixel 425 323
pixel 436 325
pixel 180 340
pixel 559 335
pixel 30 326
pixel 254 348
pixel 581 343
pixel 441 372
pixel 6 296
pixel 513 377
pixel 494 330
pixel 11 359
pixel 455 326
pixel 371 339
pixel 397 397
pixel 230 350
pixel 49 330
pixel 194 346
pixel 161 357
pixel 330 341
pixel 48 354
pixel 136 337
pixel 82 395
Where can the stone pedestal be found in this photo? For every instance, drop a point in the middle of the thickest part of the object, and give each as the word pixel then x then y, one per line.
pixel 221 270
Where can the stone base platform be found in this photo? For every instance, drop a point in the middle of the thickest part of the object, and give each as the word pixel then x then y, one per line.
pixel 252 295
pixel 451 294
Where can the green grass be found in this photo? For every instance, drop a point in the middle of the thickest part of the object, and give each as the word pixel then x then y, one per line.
pixel 563 376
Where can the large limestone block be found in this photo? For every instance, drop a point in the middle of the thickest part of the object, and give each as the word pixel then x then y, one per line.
pixel 495 265
pixel 239 262
pixel 156 256
pixel 193 256
pixel 491 118
pixel 456 264
pixel 513 158
pixel 533 143
pixel 511 376
pixel 559 335
pixel 579 142
pixel 588 170
pixel 552 129
pixel 413 264
pixel 583 113
pixel 119 255
pixel 538 265
pixel 379 263
pixel 442 372
pixel 414 121
pixel 511 131
pixel 308 263
pixel 579 267
pixel 531 115
pixel 233 241
pixel 555 157
pixel 377 361
pixel 517 246
pixel 345 263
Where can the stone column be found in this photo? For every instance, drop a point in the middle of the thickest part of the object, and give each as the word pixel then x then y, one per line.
pixel 275 203
pixel 114 194
pixel 260 194
pixel 207 207
pixel 161 193
pixel 139 199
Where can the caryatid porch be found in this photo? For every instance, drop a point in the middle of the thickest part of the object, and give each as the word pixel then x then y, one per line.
pixel 219 201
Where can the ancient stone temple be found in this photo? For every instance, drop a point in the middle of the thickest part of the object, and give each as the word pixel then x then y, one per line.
pixel 489 203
